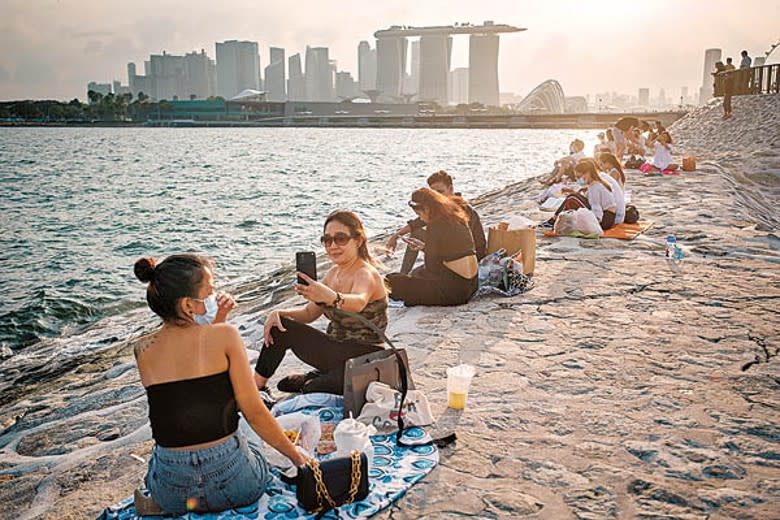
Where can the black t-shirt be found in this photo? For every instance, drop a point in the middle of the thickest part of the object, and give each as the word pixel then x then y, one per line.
pixel 446 241
pixel 475 225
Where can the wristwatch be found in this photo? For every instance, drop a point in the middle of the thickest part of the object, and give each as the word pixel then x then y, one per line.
pixel 339 299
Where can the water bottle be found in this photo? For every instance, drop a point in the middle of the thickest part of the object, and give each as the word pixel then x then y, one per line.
pixel 671 247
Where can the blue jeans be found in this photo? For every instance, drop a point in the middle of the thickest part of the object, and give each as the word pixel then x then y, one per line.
pixel 231 474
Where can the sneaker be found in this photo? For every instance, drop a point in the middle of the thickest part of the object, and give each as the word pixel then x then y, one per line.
pixel 145 504
pixel 294 383
pixel 547 224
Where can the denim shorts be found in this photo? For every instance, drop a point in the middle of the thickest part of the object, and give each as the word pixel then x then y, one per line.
pixel 231 474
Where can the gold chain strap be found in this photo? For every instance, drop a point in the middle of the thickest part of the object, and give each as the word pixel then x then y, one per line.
pixel 322 490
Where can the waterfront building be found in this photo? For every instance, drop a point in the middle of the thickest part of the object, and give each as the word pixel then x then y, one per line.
pixel 644 97
pixel 100 88
pixel 435 52
pixel 119 89
pixel 711 56
pixel 275 82
pixel 296 85
pixel 435 48
pixel 546 98
pixel 459 86
pixel 174 77
pixel 683 95
pixel 319 75
pixel 200 76
pixel 238 67
pixel 346 87
pixel 390 66
pixel 366 66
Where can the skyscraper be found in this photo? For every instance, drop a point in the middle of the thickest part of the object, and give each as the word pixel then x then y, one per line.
pixel 275 84
pixel 238 67
pixel 644 97
pixel 346 87
pixel 390 66
pixel 435 50
pixel 706 91
pixel 319 75
pixel 199 75
pixel 296 84
pixel 366 66
pixel 483 69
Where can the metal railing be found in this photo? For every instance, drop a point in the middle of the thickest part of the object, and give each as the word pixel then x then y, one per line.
pixel 755 80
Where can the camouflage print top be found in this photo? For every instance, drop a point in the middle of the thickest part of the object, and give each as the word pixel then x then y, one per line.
pixel 346 328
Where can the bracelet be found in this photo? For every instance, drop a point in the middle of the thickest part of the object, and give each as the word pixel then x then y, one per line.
pixel 339 299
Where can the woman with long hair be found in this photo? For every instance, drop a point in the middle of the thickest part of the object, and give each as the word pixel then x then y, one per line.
pixel 449 276
pixel 352 284
pixel 597 196
pixel 662 158
pixel 612 172
pixel 197 378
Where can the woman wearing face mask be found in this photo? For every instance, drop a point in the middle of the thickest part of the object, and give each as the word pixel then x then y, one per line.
pixel 449 276
pixel 352 284
pixel 197 377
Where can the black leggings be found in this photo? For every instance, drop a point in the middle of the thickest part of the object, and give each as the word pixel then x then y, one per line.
pixel 421 288
pixel 314 348
pixel 578 200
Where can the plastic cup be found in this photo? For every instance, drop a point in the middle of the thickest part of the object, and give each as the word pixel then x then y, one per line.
pixel 458 382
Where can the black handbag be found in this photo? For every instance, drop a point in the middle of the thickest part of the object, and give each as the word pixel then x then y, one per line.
pixel 322 486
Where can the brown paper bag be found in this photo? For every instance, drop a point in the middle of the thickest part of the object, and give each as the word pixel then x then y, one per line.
pixel 516 240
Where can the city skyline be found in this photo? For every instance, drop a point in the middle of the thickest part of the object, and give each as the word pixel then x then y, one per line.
pixel 98 45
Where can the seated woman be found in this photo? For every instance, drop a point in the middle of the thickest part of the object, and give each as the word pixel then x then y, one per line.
pixel 449 276
pixel 617 180
pixel 196 375
pixel 564 167
pixel 352 284
pixel 598 195
pixel 662 158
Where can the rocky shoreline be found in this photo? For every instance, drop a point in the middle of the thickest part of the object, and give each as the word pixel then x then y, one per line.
pixel 620 386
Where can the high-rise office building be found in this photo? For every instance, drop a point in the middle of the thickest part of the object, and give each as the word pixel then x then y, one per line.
pixel 390 66
pixel 199 75
pixel 100 88
pixel 711 56
pixel 435 51
pixel 683 95
pixel 483 69
pixel 319 74
pixel 346 86
pixel 166 72
pixel 644 97
pixel 238 67
pixel 296 84
pixel 275 82
pixel 459 86
pixel 662 101
pixel 366 66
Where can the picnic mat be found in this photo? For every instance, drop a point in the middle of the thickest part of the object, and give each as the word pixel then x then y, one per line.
pixel 393 472
pixel 621 231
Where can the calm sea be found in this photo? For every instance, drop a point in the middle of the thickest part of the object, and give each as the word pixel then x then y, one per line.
pixel 78 206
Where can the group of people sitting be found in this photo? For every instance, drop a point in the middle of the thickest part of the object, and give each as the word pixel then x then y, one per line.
pixel 598 183
pixel 196 371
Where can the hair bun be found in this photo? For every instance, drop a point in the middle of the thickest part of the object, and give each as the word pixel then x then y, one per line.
pixel 144 269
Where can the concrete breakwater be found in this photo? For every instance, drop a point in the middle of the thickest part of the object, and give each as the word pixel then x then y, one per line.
pixel 620 386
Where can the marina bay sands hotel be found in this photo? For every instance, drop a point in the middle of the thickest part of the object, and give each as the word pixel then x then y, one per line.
pixel 435 48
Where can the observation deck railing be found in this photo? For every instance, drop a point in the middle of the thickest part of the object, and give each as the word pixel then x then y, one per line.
pixel 754 80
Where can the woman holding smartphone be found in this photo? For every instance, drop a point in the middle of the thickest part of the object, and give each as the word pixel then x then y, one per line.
pixel 352 284
pixel 449 276
pixel 196 375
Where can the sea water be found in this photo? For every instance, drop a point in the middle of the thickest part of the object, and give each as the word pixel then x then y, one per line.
pixel 78 206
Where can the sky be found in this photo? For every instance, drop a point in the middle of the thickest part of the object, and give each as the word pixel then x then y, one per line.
pixel 51 49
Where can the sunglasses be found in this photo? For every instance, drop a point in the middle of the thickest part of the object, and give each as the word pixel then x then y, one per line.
pixel 340 239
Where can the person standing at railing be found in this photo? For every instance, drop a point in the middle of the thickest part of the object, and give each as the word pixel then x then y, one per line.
pixel 746 62
pixel 744 66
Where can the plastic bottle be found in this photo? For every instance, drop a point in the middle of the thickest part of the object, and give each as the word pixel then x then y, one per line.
pixel 671 247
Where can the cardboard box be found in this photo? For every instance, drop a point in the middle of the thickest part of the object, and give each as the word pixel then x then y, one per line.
pixel 516 240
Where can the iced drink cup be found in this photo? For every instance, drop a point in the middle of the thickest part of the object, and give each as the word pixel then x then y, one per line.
pixel 458 381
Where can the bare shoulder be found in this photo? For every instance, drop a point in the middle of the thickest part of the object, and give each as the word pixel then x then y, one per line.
pixel 143 344
pixel 225 333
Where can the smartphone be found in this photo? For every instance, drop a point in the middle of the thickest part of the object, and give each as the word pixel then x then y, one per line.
pixel 306 262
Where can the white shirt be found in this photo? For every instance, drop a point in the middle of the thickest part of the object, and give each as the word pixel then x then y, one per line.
pixel 662 157
pixel 617 193
pixel 600 198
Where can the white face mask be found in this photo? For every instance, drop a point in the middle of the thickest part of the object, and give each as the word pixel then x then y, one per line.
pixel 210 302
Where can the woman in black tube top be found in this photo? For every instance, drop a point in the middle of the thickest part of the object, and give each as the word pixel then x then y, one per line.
pixel 197 377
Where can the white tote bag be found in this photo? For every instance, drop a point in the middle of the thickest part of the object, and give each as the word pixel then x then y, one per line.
pixel 381 408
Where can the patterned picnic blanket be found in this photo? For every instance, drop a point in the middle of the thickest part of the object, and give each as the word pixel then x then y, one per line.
pixel 393 472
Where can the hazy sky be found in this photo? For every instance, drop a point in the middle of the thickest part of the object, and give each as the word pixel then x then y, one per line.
pixel 52 48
